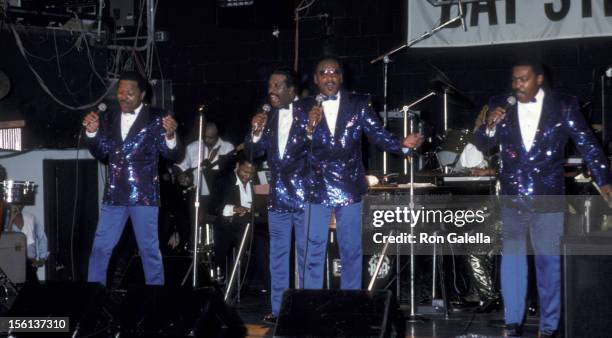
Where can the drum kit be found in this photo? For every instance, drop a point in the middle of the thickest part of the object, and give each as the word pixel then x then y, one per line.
pixel 446 148
pixel 12 192
pixel 18 192
pixel 449 150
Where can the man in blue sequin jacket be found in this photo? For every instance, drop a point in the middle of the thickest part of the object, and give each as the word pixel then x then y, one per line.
pixel 532 135
pixel 130 141
pixel 336 126
pixel 281 134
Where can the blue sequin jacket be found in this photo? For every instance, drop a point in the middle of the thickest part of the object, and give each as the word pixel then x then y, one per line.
pixel 288 173
pixel 133 174
pixel 338 174
pixel 539 171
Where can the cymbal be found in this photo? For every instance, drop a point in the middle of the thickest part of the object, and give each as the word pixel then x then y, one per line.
pixel 455 96
pixel 5 85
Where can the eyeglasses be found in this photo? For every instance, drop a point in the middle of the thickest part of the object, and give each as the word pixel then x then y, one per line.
pixel 329 71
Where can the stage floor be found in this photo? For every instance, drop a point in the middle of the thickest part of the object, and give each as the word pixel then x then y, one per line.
pixel 465 322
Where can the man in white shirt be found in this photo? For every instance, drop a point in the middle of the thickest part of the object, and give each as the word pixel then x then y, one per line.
pixel 532 135
pixel 130 140
pixel 216 160
pixel 232 202
pixel 281 135
pixel 336 126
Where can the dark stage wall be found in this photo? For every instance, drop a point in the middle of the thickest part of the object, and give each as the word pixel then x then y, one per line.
pixel 228 67
pixel 223 58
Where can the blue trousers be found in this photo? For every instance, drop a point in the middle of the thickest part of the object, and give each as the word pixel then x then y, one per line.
pixel 545 230
pixel 348 232
pixel 110 227
pixel 280 225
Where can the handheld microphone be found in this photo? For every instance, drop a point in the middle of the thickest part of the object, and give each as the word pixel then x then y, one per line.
pixel 312 125
pixel 510 101
pixel 102 107
pixel 265 109
pixel 320 98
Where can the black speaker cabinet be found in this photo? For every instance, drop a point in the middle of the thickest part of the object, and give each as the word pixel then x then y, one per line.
pixel 13 246
pixel 85 304
pixel 335 313
pixel 143 311
pixel 164 311
pixel 586 285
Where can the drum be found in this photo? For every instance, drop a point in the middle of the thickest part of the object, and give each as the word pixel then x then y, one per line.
pixel 18 192
pixel 452 145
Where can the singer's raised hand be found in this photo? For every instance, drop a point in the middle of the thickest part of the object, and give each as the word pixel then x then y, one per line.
pixel 91 122
pixel 258 122
pixel 169 124
pixel 314 117
pixel 495 116
pixel 413 141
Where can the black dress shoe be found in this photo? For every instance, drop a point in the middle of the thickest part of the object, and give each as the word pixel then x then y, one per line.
pixel 270 319
pixel 513 330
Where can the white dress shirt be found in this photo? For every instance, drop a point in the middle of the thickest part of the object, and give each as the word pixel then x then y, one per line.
pixel 127 121
pixel 246 198
pixel 285 119
pixel 330 109
pixel 529 117
pixel 191 159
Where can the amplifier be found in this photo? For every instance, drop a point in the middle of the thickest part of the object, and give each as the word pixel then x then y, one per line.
pixel 13 255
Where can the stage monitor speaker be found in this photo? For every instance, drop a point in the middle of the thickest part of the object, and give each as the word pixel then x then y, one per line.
pixel 587 294
pixel 85 304
pixel 336 313
pixel 162 311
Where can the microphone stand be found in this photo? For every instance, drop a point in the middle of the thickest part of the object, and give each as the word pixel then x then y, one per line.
pixel 247 230
pixel 196 204
pixel 604 139
pixel 236 267
pixel 386 59
pixel 407 115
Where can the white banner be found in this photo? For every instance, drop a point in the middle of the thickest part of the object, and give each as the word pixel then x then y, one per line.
pixel 509 21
